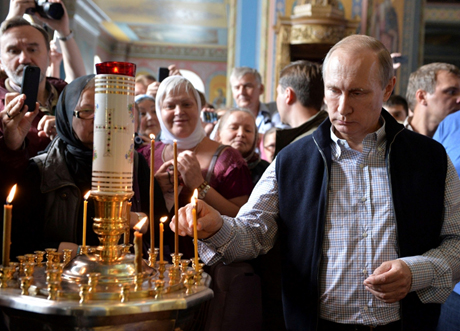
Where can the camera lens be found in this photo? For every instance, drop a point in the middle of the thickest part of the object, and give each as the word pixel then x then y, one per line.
pixel 53 10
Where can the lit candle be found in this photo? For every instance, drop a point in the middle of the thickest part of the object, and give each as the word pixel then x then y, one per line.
pixel 138 246
pixel 176 201
pixel 162 220
pixel 152 190
pixel 195 231
pixel 7 214
pixel 126 234
pixel 85 211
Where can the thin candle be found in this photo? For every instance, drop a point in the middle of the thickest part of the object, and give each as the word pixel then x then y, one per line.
pixel 152 191
pixel 138 245
pixel 176 201
pixel 85 212
pixel 195 231
pixel 7 215
pixel 126 234
pixel 162 220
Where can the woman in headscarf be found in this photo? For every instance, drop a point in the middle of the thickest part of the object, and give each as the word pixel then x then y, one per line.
pixel 218 172
pixel 238 128
pixel 49 202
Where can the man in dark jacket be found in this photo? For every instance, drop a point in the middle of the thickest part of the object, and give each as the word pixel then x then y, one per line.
pixel 23 134
pixel 299 101
pixel 366 211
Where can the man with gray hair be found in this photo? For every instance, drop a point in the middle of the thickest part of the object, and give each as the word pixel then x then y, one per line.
pixel 247 88
pixel 433 93
pixel 367 213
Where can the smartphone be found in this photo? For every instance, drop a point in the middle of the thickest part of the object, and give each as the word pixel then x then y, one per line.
pixel 209 116
pixel 29 87
pixel 400 59
pixel 162 73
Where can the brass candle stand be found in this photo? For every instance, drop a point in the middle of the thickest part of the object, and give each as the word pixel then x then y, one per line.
pixel 100 285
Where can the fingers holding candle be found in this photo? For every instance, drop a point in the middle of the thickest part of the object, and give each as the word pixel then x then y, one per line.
pixel 209 220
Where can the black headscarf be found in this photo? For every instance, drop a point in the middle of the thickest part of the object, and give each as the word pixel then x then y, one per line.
pixel 78 157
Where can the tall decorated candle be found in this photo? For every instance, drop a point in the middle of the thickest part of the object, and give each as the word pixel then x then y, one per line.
pixel 113 151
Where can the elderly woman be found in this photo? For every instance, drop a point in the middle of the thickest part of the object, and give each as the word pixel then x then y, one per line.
pixel 145 105
pixel 218 172
pixel 49 201
pixel 237 128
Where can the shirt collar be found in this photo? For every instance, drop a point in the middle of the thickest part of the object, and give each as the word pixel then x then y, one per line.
pixel 375 140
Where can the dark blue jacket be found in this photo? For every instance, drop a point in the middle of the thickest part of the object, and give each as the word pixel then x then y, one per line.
pixel 417 168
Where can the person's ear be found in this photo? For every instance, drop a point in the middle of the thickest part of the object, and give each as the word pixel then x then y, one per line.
pixel 420 96
pixel 262 88
pixel 389 89
pixel 291 97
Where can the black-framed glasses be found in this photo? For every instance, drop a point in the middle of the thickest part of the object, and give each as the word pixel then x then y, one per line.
pixel 84 114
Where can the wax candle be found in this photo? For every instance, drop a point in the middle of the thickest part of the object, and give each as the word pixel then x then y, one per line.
pixel 162 220
pixel 126 234
pixel 7 214
pixel 138 245
pixel 85 212
pixel 152 191
pixel 176 201
pixel 195 231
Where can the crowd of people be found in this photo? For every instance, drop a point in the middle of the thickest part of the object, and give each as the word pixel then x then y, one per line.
pixel 339 195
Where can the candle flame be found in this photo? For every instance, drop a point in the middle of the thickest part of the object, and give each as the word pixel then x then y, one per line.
pixel 10 197
pixel 87 195
pixel 139 224
pixel 163 219
pixel 152 136
pixel 194 197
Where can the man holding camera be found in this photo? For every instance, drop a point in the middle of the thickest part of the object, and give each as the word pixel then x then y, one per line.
pixel 24 133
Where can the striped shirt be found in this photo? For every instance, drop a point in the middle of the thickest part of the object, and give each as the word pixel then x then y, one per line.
pixel 360 234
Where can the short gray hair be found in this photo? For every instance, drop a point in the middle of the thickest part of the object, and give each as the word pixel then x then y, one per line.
pixel 18 22
pixel 239 72
pixel 358 42
pixel 172 86
pixel 425 78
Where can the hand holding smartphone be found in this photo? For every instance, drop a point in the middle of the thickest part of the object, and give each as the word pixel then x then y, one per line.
pixel 209 116
pixel 29 86
pixel 162 73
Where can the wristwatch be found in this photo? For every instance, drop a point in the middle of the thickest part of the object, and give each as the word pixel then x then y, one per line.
pixel 69 36
pixel 203 189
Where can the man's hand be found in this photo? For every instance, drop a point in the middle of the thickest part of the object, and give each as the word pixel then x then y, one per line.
pixel 173 71
pixel 19 7
pixel 16 123
pixel 152 89
pixel 47 127
pixel 61 26
pixel 390 282
pixel 209 220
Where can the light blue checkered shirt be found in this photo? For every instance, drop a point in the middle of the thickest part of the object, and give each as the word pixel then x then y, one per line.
pixel 360 234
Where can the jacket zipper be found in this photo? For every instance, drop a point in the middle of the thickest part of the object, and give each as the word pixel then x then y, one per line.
pixel 322 232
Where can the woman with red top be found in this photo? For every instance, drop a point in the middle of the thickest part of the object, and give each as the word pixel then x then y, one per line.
pixel 219 173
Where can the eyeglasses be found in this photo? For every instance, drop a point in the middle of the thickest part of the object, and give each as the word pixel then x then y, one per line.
pixel 84 114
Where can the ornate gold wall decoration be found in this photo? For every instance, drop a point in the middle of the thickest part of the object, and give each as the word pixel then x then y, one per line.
pixel 318 23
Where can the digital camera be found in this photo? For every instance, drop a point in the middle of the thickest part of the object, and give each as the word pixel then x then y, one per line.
pixel 47 9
